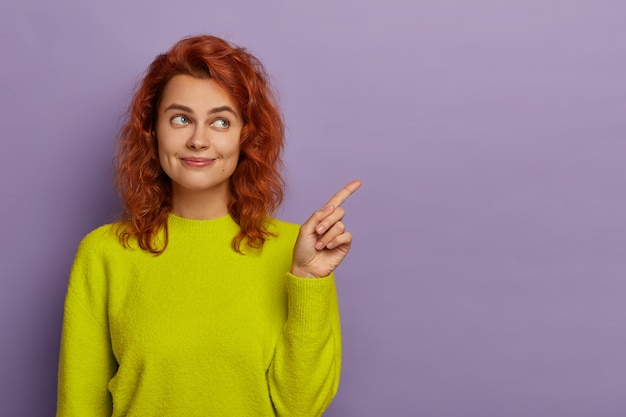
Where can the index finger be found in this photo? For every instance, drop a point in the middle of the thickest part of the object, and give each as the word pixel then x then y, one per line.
pixel 343 194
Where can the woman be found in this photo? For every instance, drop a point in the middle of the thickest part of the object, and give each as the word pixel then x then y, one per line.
pixel 199 303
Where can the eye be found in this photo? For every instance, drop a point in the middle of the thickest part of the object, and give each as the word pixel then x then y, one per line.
pixel 221 123
pixel 180 120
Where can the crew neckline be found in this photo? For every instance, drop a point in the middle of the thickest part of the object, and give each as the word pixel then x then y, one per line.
pixel 221 224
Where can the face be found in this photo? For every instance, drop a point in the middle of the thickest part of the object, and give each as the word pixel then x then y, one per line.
pixel 198 130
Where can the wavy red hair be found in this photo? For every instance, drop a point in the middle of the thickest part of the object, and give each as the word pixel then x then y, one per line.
pixel 256 185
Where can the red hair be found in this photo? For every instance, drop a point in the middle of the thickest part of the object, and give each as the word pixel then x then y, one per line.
pixel 256 185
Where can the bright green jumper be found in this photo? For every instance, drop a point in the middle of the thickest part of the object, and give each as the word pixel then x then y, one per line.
pixel 200 330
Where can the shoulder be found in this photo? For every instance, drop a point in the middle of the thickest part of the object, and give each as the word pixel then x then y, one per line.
pixel 283 229
pixel 282 236
pixel 102 239
pixel 88 269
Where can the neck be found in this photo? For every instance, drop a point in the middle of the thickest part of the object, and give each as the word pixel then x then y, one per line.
pixel 200 205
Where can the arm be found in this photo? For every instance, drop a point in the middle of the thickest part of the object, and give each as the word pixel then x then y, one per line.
pixel 304 375
pixel 86 362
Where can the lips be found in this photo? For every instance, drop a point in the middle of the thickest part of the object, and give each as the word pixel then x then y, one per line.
pixel 195 162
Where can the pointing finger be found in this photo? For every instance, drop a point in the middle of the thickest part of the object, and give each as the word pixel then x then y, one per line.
pixel 342 195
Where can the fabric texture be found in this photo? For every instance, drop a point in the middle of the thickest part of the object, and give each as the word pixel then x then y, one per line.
pixel 200 330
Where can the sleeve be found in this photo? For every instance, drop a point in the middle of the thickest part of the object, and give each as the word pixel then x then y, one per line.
pixel 304 374
pixel 86 362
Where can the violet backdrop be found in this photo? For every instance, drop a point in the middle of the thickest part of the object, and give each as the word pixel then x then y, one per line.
pixel 488 272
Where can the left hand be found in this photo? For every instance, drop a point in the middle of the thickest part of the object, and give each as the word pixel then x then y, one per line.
pixel 323 241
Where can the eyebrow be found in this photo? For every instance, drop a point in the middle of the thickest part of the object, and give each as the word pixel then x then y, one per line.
pixel 214 110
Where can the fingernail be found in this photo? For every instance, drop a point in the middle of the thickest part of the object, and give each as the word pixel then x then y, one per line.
pixel 328 208
pixel 320 229
pixel 330 245
pixel 319 245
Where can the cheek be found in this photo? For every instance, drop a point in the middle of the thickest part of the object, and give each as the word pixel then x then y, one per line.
pixel 160 151
pixel 164 155
pixel 231 148
pixel 234 160
pixel 235 157
pixel 236 152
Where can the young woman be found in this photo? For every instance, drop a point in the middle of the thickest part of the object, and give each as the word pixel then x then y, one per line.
pixel 199 303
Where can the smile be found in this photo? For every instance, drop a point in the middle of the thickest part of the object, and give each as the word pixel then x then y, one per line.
pixel 197 162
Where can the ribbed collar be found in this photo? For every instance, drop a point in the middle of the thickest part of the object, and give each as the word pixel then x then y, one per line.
pixel 224 224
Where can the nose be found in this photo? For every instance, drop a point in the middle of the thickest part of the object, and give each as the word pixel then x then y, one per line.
pixel 199 139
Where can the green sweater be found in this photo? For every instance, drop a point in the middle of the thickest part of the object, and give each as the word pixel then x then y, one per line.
pixel 200 330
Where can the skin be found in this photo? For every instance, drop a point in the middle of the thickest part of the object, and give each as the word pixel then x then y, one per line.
pixel 323 241
pixel 198 129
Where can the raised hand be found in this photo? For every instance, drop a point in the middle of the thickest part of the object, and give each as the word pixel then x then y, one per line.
pixel 323 241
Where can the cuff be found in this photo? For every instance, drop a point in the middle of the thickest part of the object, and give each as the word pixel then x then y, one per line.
pixel 309 302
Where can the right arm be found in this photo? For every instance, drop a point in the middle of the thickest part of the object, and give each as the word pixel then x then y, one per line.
pixel 86 362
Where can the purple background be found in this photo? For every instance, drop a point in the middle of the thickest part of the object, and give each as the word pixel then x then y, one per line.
pixel 488 272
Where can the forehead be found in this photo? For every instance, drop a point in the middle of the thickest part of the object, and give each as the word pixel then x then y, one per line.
pixel 200 94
